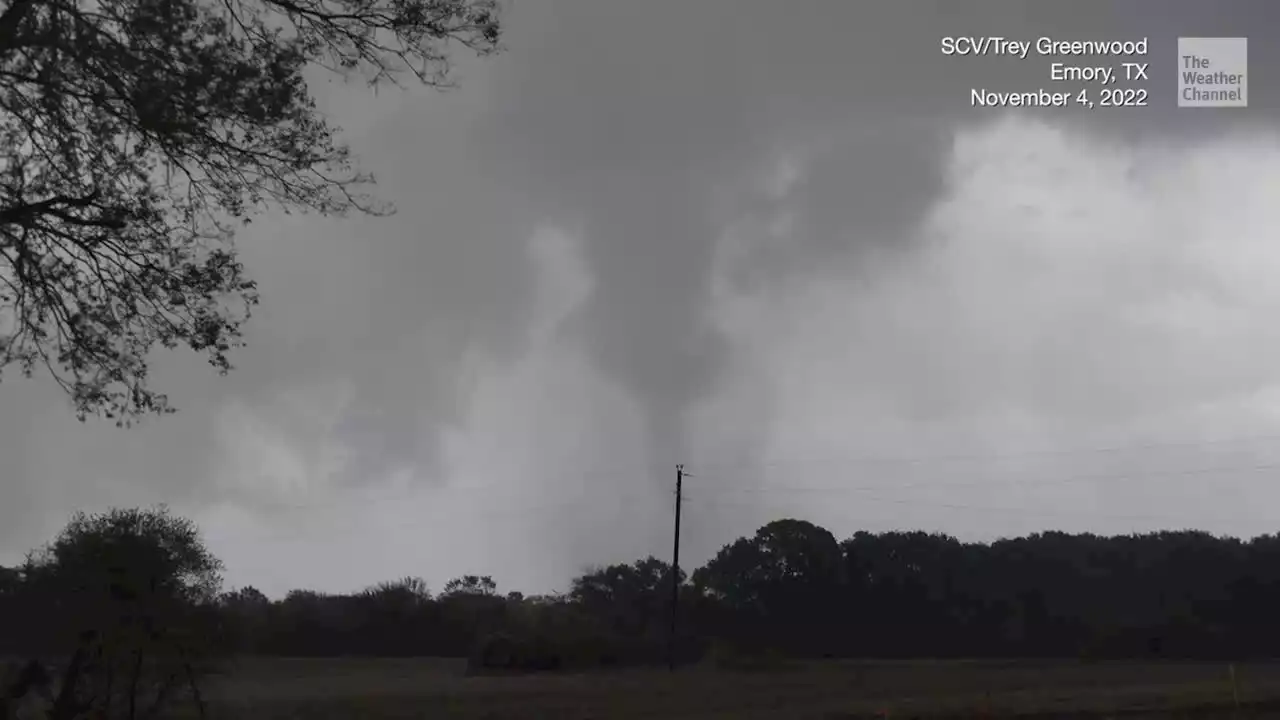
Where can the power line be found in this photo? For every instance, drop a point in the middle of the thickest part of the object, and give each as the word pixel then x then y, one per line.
pixel 1013 510
pixel 981 456
pixel 1070 479
pixel 587 497
pixel 721 483
pixel 271 528
pixel 424 490
pixel 712 492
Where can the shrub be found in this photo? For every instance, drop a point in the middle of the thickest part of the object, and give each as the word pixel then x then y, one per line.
pixel 500 652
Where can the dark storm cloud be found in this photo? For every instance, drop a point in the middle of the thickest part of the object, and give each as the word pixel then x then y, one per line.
pixel 644 130
pixel 627 118
pixel 365 328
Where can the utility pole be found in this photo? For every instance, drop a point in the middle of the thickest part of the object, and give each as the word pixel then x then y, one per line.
pixel 675 572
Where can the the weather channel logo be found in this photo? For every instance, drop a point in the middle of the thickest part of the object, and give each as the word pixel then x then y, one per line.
pixel 1212 72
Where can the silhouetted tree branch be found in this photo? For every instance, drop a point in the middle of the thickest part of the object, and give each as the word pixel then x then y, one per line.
pixel 135 135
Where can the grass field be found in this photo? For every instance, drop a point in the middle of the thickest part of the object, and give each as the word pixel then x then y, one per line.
pixel 436 688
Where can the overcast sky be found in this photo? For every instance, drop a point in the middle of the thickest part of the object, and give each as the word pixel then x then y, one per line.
pixel 776 246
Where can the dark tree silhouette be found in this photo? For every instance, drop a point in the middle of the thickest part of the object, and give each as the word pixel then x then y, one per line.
pixel 779 588
pixel 470 585
pixel 788 590
pixel 128 595
pixel 246 614
pixel 136 134
pixel 635 599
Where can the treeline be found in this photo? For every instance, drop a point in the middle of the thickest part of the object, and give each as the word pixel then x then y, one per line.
pixel 792 589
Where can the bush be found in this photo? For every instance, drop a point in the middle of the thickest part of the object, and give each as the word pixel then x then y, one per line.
pixel 490 653
pixel 500 652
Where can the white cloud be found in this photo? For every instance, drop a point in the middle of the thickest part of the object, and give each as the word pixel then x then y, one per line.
pixel 1069 292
